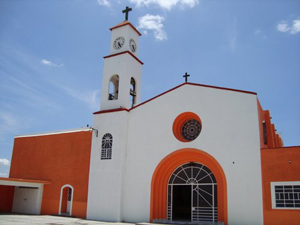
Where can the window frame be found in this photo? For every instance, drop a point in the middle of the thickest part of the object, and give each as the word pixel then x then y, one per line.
pixel 273 194
pixel 105 150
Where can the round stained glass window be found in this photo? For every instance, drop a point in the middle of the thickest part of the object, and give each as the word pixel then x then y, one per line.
pixel 191 129
pixel 187 126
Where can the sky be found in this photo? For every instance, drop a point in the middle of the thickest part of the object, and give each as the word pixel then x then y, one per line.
pixel 51 57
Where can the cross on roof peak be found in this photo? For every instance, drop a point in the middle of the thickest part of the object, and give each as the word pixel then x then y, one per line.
pixel 186 75
pixel 126 11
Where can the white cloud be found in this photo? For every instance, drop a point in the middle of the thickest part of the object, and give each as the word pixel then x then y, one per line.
pixel 49 63
pixel 4 162
pixel 31 96
pixel 3 175
pixel 257 31
pixel 232 43
pixel 90 98
pixel 284 27
pixel 154 23
pixel 104 2
pixel 8 124
pixel 296 26
pixel 166 4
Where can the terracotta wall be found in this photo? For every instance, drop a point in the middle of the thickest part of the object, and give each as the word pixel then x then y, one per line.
pixel 6 198
pixel 59 158
pixel 279 164
pixel 273 139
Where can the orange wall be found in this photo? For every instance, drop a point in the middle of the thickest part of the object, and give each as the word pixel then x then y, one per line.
pixel 60 158
pixel 273 139
pixel 6 198
pixel 276 167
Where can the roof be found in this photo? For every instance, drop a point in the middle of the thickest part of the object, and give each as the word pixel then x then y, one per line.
pixel 125 52
pixel 296 147
pixel 55 132
pixel 124 23
pixel 187 83
pixel 21 182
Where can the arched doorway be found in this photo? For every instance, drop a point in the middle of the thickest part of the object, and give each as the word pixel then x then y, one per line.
pixel 192 194
pixel 66 200
pixel 163 175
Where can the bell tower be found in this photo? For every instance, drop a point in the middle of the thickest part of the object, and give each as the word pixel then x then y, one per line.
pixel 121 83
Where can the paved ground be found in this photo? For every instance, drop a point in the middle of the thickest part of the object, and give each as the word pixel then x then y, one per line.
pixel 10 219
pixel 19 219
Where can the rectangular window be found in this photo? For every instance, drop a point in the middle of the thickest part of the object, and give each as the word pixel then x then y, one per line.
pixel 265 132
pixel 285 195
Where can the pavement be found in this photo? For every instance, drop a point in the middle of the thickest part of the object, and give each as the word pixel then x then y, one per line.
pixel 21 219
pixel 12 219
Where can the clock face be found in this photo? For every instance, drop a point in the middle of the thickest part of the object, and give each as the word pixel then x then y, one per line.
pixel 132 45
pixel 119 42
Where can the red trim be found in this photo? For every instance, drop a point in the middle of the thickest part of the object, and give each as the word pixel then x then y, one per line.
pixel 121 53
pixel 201 85
pixel 281 147
pixel 157 96
pixel 111 110
pixel 25 180
pixel 124 24
pixel 222 88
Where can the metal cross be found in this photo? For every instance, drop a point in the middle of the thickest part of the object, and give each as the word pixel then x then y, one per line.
pixel 186 75
pixel 126 11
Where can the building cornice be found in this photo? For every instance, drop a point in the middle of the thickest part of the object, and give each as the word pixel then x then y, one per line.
pixel 125 52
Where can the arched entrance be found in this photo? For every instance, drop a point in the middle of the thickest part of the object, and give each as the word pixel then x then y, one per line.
pixel 165 173
pixel 192 194
pixel 66 200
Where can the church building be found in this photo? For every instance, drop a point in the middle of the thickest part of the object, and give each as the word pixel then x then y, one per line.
pixel 196 154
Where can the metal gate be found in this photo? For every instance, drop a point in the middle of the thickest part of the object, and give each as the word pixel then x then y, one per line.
pixel 203 194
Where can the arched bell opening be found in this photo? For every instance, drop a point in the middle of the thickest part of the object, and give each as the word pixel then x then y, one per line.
pixel 132 91
pixel 113 88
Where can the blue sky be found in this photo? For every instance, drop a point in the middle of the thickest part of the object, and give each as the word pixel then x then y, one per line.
pixel 51 57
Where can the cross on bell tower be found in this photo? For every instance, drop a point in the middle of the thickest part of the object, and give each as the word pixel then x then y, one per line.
pixel 126 11
pixel 186 75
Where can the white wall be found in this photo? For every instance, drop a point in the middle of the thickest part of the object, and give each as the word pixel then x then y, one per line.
pixel 119 189
pixel 229 134
pixel 106 176
pixel 126 67
pixel 127 32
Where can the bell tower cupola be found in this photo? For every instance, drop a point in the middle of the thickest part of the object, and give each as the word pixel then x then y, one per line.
pixel 121 83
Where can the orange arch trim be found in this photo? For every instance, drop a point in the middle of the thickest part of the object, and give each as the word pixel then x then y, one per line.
pixel 158 203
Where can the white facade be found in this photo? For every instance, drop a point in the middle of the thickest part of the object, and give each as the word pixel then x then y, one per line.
pixel 120 188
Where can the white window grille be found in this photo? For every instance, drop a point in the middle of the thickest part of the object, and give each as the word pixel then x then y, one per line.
pixel 106 151
pixel 285 195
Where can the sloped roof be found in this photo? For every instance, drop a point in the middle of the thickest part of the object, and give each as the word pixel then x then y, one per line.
pixel 18 181
pixel 124 23
pixel 172 89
